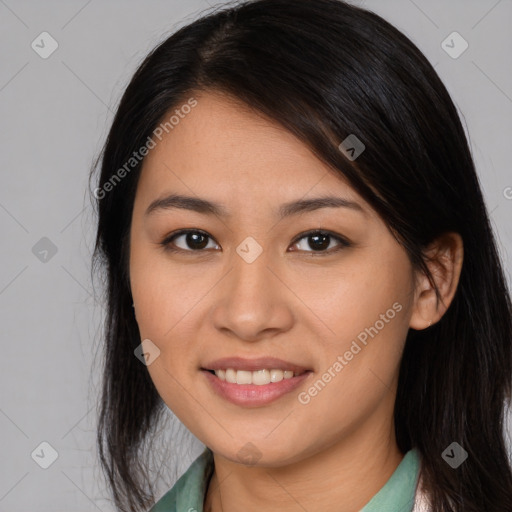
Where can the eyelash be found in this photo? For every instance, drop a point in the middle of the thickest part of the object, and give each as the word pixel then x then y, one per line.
pixel 344 243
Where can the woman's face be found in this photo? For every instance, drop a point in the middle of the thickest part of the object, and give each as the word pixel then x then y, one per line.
pixel 252 284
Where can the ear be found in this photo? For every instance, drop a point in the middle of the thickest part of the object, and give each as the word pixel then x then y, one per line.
pixel 444 258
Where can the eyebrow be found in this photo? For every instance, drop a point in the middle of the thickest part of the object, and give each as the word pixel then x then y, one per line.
pixel 204 206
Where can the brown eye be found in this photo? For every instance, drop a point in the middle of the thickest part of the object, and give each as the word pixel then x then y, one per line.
pixel 191 240
pixel 320 241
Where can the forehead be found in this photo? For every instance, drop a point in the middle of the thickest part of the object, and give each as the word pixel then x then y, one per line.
pixel 224 150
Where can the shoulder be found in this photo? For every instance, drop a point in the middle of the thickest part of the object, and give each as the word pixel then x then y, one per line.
pixel 188 492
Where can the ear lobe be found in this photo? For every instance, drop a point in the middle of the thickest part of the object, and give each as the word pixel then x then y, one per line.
pixel 444 257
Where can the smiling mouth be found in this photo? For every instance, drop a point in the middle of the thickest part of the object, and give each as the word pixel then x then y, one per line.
pixel 259 377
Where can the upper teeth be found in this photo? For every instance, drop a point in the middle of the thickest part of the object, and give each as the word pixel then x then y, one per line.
pixel 259 377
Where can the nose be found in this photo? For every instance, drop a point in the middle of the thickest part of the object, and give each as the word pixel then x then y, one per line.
pixel 252 302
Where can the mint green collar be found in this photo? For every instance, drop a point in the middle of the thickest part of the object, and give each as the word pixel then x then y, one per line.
pixel 396 495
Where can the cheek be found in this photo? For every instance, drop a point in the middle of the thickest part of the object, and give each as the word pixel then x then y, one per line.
pixel 163 293
pixel 369 287
pixel 365 317
pixel 366 311
pixel 163 302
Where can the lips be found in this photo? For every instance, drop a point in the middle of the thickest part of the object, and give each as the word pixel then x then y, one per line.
pixel 254 382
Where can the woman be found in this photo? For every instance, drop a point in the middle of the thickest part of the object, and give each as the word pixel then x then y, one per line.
pixel 301 267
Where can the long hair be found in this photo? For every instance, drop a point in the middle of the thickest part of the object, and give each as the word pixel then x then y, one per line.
pixel 324 70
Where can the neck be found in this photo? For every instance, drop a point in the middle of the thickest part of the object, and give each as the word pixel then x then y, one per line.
pixel 342 476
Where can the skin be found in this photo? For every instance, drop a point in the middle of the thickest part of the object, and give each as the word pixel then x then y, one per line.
pixel 303 306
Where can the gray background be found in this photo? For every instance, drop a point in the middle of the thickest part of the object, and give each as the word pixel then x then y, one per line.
pixel 54 116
